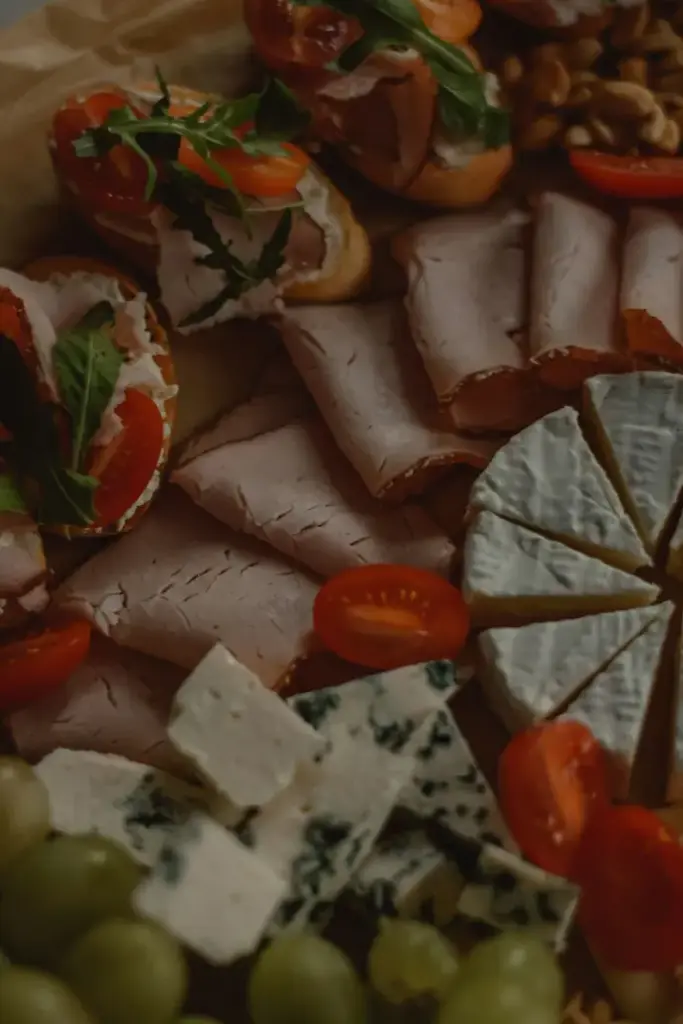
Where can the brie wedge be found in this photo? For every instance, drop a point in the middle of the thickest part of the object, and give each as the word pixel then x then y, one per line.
pixel 547 478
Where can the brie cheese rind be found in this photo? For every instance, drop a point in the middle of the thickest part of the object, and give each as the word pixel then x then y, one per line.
pixel 639 422
pixel 547 478
pixel 531 671
pixel 511 571
pixel 182 582
pixel 615 703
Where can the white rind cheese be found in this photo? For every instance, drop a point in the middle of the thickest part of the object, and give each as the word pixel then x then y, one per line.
pixel 547 478
pixel 639 419
pixel 530 671
pixel 241 736
pixel 511 570
pixel 615 704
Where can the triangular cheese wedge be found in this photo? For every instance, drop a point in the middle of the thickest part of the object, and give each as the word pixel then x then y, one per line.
pixel 511 571
pixel 614 705
pixel 531 671
pixel 639 420
pixel 547 477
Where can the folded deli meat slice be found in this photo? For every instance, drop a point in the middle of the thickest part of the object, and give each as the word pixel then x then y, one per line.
pixel 615 704
pixel 510 571
pixel 638 418
pixel 117 702
pixel 574 292
pixel 363 371
pixel 183 582
pixel 466 296
pixel 548 478
pixel 22 570
pixel 651 299
pixel 291 488
pixel 531 671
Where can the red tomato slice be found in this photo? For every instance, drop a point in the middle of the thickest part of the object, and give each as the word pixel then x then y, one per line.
pixel 126 466
pixel 253 176
pixel 454 21
pixel 285 34
pixel 385 616
pixel 551 779
pixel 630 868
pixel 115 182
pixel 631 177
pixel 35 666
pixel 14 324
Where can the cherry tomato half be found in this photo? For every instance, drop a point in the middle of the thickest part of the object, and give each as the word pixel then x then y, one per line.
pixel 552 778
pixel 36 665
pixel 630 868
pixel 126 466
pixel 454 21
pixel 385 616
pixel 115 182
pixel 631 177
pixel 252 175
pixel 14 324
pixel 285 34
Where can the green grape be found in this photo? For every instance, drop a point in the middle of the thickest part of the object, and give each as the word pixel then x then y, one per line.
pixel 409 959
pixel 303 979
pixel 24 809
pixel 486 999
pixel 127 972
pixel 60 889
pixel 520 957
pixel 31 997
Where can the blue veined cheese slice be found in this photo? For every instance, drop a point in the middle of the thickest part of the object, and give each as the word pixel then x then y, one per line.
pixel 639 421
pixel 240 735
pixel 317 832
pixel 389 707
pixel 547 478
pixel 615 703
pixel 509 570
pixel 531 671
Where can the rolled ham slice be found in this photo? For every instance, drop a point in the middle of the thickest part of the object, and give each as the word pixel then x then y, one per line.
pixel 465 302
pixel 182 582
pixel 651 299
pixel 22 570
pixel 574 292
pixel 117 702
pixel 292 488
pixel 360 365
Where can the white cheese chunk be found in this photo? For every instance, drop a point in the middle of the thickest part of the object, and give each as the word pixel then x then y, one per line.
pixel 240 735
pixel 547 478
pixel 209 891
pixel 615 704
pixel 530 671
pixel 639 420
pixel 511 570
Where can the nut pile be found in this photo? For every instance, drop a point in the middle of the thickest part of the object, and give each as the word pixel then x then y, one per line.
pixel 621 93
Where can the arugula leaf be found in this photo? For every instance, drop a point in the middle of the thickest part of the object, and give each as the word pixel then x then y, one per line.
pixel 10 498
pixel 87 365
pixel 164 102
pixel 278 115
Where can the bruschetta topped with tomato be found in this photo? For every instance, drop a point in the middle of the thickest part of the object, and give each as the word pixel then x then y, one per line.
pixel 393 87
pixel 87 397
pixel 211 198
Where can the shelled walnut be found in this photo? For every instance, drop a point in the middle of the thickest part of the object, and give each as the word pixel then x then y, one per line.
pixel 622 92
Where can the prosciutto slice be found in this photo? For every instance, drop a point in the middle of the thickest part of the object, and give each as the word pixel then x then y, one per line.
pixel 182 582
pixel 360 365
pixel 22 570
pixel 117 702
pixel 651 299
pixel 574 292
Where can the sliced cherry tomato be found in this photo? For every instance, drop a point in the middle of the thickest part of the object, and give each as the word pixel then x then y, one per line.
pixel 454 21
pixel 126 466
pixel 36 665
pixel 552 778
pixel 14 324
pixel 631 177
pixel 115 182
pixel 630 868
pixel 385 616
pixel 252 175
pixel 286 34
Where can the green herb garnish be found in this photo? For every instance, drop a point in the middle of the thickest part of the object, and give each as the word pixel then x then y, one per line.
pixel 10 495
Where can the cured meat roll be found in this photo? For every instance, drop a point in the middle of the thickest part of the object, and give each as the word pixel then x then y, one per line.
pixel 360 365
pixel 574 292
pixel 183 581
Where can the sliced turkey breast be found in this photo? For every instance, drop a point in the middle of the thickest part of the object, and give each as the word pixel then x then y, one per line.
pixel 651 300
pixel 360 365
pixel 117 702
pixel 292 488
pixel 574 292
pixel 182 582
pixel 22 570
